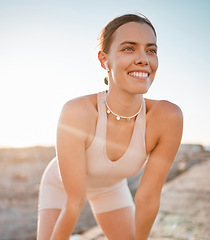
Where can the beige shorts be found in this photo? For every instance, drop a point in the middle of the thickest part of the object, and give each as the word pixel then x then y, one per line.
pixel 52 194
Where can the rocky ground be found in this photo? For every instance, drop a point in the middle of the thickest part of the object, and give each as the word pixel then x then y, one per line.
pixel 20 174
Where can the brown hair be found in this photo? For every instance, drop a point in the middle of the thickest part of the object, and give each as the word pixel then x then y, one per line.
pixel 106 35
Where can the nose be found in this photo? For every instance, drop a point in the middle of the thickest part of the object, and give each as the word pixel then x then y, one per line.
pixel 142 59
pixel 143 62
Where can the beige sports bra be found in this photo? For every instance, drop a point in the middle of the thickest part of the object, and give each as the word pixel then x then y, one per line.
pixel 101 171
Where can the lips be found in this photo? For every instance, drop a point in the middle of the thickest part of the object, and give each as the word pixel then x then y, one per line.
pixel 139 74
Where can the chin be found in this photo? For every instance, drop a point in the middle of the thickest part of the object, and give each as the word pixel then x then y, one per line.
pixel 142 87
pixel 141 90
pixel 136 91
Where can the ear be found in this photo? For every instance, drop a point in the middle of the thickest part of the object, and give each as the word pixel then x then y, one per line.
pixel 102 58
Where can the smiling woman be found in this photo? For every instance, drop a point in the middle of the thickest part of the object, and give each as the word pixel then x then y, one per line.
pixel 106 137
pixel 128 46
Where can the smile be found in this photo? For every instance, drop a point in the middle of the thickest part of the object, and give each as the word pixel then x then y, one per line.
pixel 139 74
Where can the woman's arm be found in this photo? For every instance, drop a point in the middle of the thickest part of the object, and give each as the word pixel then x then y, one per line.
pixel 168 127
pixel 71 138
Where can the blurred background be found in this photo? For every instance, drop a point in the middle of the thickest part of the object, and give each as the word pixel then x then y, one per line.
pixel 48 55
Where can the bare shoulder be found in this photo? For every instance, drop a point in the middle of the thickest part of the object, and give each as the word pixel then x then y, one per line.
pixel 81 106
pixel 80 112
pixel 163 110
pixel 164 121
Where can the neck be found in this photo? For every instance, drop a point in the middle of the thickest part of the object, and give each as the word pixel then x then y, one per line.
pixel 123 103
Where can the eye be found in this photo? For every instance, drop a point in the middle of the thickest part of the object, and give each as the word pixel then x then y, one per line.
pixel 153 50
pixel 128 49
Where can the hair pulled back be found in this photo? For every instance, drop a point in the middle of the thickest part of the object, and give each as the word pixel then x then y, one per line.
pixel 106 35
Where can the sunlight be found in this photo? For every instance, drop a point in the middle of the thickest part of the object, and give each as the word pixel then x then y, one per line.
pixel 47 61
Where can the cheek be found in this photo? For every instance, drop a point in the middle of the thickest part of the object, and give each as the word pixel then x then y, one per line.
pixel 121 61
pixel 155 63
pixel 154 66
pixel 118 66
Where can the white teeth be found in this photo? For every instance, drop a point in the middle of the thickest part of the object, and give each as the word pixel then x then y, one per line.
pixel 139 74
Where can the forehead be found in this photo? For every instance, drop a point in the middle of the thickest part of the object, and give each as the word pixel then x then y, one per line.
pixel 134 31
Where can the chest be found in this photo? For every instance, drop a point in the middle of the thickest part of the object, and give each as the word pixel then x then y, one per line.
pixel 114 158
pixel 118 138
pixel 117 151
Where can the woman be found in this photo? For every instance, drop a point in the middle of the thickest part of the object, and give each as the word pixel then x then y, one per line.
pixel 104 138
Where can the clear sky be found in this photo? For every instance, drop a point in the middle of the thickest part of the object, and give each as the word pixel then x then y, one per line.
pixel 48 55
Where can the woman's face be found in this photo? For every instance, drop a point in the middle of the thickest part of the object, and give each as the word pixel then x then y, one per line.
pixel 132 58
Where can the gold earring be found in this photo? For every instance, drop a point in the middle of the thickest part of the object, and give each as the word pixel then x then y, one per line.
pixel 106 81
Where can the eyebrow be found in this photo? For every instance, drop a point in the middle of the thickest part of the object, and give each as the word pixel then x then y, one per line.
pixel 134 43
